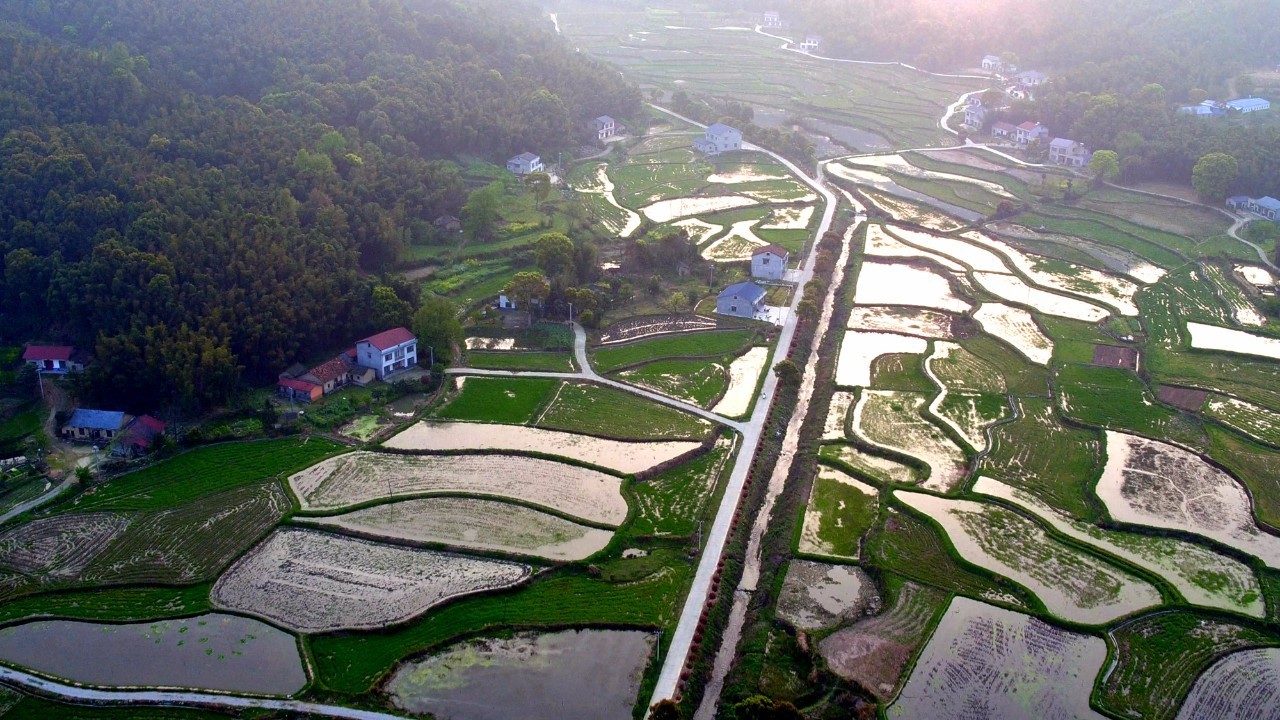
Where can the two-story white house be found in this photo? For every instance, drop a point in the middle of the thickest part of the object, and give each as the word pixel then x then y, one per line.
pixel 992 63
pixel 772 18
pixel 769 262
pixel 811 43
pixel 605 126
pixel 719 138
pixel 975 115
pixel 1068 152
pixel 1028 131
pixel 525 163
pixel 387 352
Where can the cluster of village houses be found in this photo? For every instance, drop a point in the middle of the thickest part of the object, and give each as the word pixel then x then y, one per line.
pixel 373 358
pixel 125 434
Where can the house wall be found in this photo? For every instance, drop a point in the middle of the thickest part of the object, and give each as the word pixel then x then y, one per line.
pixel 767 265
pixel 735 306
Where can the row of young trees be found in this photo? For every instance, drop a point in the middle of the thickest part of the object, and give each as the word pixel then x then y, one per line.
pixel 201 194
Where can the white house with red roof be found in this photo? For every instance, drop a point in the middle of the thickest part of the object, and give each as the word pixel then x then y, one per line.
pixel 388 352
pixel 769 262
pixel 51 358
pixel 1029 131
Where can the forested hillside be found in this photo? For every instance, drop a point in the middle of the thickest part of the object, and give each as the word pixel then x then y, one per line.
pixel 197 191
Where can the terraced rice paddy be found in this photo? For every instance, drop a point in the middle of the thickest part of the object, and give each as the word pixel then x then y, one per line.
pixel 882 244
pixel 624 457
pixel 360 477
pixel 841 510
pixel 892 420
pixel 1244 684
pixel 209 652
pixel 1200 575
pixel 898 284
pixel 625 221
pixel 988 662
pixel 697 382
pixel 1148 482
pixel 475 524
pixel 1253 420
pixel 818 596
pixel 1110 290
pixel 667 210
pixel 1073 586
pixel 316 582
pixel 838 415
pixel 874 652
pixel 1212 337
pixel 904 320
pixel 975 258
pixel 962 371
pixel 880 469
pixel 1017 327
pixel 1013 289
pixel 859 350
pixel 744 377
pixel 735 245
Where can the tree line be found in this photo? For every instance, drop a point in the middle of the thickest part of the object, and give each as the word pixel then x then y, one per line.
pixel 201 194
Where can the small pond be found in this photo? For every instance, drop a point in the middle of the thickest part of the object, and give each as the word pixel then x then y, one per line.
pixel 572 674
pixel 405 406
pixel 211 652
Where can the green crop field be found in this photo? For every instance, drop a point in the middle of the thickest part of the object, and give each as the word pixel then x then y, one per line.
pixel 1021 377
pixel 124 604
pixel 1257 466
pixel 204 471
pixel 513 401
pixel 1047 458
pixel 38 709
pixel 697 381
pixel 845 515
pixel 900 371
pixel 513 360
pixel 672 502
pixel 1117 399
pixel 685 345
pixel 605 411
pixel 1161 656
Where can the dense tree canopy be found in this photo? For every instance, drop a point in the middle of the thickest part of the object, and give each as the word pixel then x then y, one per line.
pixel 201 193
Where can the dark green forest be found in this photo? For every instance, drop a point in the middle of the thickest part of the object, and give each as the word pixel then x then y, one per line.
pixel 201 193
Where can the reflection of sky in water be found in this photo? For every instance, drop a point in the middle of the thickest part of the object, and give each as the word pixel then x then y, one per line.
pixel 572 674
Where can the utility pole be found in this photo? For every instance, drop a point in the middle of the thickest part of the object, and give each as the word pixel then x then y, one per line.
pixel 571 313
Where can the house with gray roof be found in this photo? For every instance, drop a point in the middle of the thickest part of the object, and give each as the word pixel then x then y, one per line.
pixel 525 163
pixel 605 127
pixel 1063 151
pixel 719 138
pixel 742 300
pixel 992 63
pixel 1248 105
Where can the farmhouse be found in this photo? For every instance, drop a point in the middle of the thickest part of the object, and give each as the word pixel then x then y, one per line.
pixel 719 138
pixel 525 163
pixel 1004 129
pixel 1068 152
pixel 1248 105
pixel 294 389
pixel 139 437
pixel 52 359
pixel 769 262
pixel 1031 78
pixel 92 425
pixel 1267 206
pixel 388 352
pixel 992 63
pixel 811 43
pixel 1200 110
pixel 605 127
pixel 1029 131
pixel 772 19
pixel 975 116
pixel 448 223
pixel 741 300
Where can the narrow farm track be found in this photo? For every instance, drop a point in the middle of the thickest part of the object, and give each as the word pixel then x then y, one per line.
pixel 682 639
pixel 87 696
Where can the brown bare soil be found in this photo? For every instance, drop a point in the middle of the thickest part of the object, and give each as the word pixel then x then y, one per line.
pixel 1189 399
pixel 1116 357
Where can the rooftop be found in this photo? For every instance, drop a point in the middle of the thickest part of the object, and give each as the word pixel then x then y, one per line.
pixel 525 157
pixel 331 370
pixel 1249 104
pixel 770 248
pixel 96 419
pixel 748 290
pixel 47 352
pixel 720 129
pixel 295 384
pixel 388 339
pixel 1268 202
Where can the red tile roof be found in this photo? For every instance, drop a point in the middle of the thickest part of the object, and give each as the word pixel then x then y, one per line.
pixel 770 248
pixel 47 352
pixel 301 386
pixel 143 431
pixel 331 370
pixel 389 338
pixel 1028 125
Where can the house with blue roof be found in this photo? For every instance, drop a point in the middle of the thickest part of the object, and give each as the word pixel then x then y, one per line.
pixel 87 425
pixel 1248 105
pixel 742 300
pixel 1268 207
